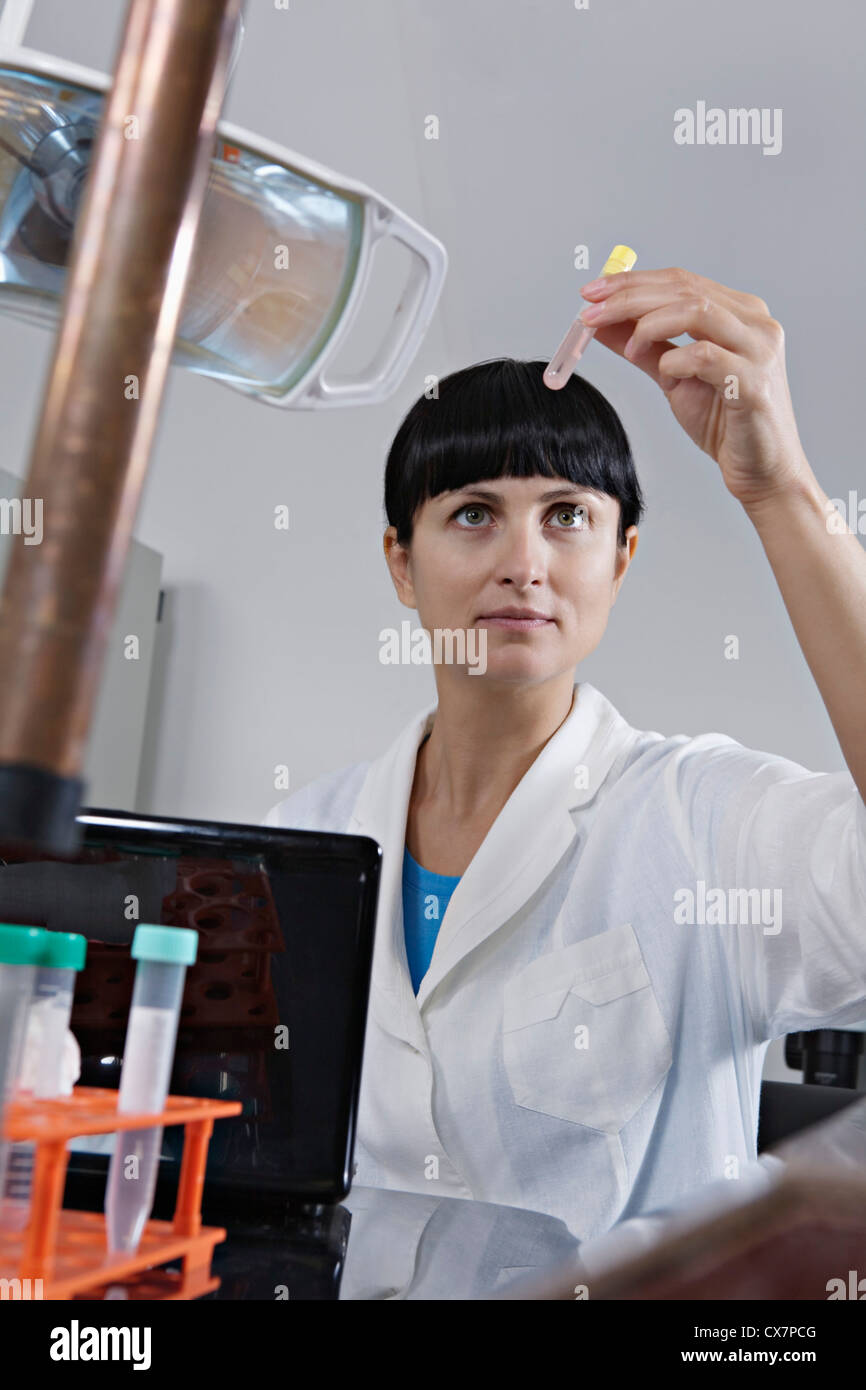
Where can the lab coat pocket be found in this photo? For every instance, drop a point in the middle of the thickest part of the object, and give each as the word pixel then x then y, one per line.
pixel 583 1036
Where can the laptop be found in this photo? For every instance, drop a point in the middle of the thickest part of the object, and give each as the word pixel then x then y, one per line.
pixel 274 1008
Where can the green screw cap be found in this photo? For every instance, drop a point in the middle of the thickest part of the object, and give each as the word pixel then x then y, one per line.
pixel 172 945
pixel 21 945
pixel 63 950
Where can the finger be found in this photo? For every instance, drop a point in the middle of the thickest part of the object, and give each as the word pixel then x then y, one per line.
pixel 714 311
pixel 705 361
pixel 617 335
pixel 676 280
pixel 701 318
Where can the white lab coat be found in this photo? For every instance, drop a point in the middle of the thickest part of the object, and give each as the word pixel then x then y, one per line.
pixel 573 1048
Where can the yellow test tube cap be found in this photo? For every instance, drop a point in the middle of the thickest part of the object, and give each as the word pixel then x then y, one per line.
pixel 620 258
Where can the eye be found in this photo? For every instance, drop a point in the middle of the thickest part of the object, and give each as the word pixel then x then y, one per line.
pixel 576 517
pixel 471 509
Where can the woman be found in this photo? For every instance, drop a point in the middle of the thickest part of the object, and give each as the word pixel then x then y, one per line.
pixel 630 917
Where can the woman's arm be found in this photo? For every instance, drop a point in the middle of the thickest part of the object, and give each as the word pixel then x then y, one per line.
pixel 821 572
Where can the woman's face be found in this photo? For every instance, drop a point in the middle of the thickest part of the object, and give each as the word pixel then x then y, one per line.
pixel 524 543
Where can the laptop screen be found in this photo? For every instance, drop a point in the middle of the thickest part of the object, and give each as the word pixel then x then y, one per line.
pixel 274 1008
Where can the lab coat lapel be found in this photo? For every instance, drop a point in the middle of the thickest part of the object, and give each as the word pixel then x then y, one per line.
pixel 532 831
pixel 529 837
pixel 381 812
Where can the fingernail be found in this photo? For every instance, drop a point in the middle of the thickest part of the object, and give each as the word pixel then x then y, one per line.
pixel 592 313
pixel 595 285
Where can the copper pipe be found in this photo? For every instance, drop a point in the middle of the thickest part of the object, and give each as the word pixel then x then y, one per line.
pixel 129 260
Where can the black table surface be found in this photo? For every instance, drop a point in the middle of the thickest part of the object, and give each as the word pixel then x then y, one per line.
pixel 380 1244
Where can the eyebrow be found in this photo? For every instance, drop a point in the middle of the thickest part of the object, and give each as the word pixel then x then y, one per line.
pixel 550 496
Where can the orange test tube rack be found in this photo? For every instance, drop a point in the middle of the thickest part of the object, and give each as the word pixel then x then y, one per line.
pixel 67 1250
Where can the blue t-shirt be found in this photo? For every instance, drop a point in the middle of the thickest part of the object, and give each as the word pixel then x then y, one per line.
pixel 425 898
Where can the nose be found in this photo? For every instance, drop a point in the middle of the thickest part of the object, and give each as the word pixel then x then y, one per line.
pixel 523 561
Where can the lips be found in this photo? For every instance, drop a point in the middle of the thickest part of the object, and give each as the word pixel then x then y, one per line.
pixel 513 612
pixel 515 619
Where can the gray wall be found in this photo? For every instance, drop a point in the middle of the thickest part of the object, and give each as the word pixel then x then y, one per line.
pixel 113 758
pixel 556 129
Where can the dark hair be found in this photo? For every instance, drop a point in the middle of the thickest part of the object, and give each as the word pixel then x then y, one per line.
pixel 498 419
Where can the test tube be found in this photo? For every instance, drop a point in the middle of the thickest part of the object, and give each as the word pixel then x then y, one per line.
pixel 20 952
pixel 62 956
pixel 163 954
pixel 570 350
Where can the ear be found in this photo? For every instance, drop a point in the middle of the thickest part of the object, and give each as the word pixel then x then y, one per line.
pixel 624 557
pixel 399 563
